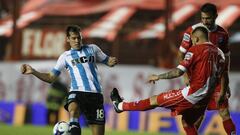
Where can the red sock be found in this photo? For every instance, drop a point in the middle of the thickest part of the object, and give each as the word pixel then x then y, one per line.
pixel 229 126
pixel 141 105
pixel 190 130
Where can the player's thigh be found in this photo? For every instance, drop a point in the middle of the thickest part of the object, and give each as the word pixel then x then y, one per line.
pixel 97 129
pixel 73 109
pixel 94 109
pixel 192 115
pixel 72 101
pixel 170 99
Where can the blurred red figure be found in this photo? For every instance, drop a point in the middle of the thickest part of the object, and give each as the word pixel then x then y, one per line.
pixel 204 63
pixel 219 37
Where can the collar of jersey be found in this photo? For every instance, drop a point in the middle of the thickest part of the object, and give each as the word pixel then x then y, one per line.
pixel 77 49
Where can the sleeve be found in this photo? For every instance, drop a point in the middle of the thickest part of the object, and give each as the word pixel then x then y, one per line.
pixel 100 55
pixel 60 65
pixel 187 61
pixel 186 41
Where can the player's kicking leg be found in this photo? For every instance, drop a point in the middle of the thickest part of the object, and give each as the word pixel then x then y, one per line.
pixel 141 105
pixel 116 99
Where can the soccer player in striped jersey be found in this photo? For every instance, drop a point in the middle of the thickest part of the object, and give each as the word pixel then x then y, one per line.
pixel 85 95
pixel 219 37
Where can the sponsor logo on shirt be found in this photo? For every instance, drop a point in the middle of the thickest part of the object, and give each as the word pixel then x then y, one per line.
pixel 188 56
pixel 172 95
pixel 186 37
pixel 83 59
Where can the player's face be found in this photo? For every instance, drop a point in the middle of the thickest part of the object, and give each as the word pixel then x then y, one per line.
pixel 75 40
pixel 208 20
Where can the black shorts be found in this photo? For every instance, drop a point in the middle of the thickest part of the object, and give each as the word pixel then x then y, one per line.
pixel 90 104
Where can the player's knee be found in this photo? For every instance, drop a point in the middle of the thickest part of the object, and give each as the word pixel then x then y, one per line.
pixel 73 109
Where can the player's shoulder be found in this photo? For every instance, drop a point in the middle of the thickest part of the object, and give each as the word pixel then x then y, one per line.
pixel 194 49
pixel 66 53
pixel 90 45
pixel 221 29
pixel 200 47
pixel 197 25
pixel 93 47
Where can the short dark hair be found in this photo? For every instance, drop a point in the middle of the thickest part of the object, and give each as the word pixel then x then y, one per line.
pixel 73 28
pixel 203 29
pixel 209 8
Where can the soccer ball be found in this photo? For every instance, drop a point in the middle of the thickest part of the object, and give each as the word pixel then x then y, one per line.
pixel 61 128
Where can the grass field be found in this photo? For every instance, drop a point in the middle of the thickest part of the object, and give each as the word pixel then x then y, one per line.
pixel 47 130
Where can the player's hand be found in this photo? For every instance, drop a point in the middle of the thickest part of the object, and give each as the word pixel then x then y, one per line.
pixel 153 78
pixel 26 69
pixel 112 61
pixel 228 92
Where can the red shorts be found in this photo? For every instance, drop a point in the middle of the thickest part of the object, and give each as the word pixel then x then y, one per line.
pixel 212 105
pixel 174 100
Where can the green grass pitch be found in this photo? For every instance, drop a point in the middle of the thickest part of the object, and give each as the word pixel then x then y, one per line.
pixel 47 130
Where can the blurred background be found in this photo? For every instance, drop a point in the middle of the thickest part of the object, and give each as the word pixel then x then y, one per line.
pixel 145 36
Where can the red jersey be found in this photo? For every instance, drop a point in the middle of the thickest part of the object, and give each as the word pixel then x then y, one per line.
pixel 204 64
pixel 218 37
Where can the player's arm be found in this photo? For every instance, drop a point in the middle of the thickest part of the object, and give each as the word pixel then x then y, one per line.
pixel 180 58
pixel 225 83
pixel 226 51
pixel 185 45
pixel 46 77
pixel 174 73
pixel 224 88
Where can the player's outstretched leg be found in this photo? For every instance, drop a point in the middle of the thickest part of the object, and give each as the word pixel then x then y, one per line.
pixel 141 105
pixel 116 99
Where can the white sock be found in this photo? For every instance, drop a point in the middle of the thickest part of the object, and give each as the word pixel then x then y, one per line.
pixel 74 120
pixel 120 106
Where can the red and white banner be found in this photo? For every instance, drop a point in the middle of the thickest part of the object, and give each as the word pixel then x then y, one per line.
pixel 43 43
pixel 130 80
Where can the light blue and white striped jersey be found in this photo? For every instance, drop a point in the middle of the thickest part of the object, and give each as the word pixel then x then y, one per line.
pixel 81 65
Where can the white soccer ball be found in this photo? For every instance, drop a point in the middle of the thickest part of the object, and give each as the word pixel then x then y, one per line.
pixel 61 128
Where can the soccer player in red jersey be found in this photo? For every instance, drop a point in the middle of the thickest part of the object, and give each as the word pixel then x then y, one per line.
pixel 219 37
pixel 204 64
